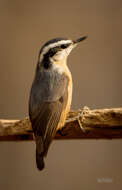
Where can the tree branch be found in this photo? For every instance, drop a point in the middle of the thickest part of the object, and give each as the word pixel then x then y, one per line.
pixel 80 124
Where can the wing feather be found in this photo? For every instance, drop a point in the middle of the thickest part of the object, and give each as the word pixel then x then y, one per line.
pixel 45 115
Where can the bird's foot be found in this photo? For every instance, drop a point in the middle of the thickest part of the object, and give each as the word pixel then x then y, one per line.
pixel 60 132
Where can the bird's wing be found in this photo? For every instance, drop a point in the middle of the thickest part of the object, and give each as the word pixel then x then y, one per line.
pixel 45 115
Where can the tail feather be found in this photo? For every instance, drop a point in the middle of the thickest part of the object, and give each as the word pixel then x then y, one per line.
pixel 41 151
pixel 40 161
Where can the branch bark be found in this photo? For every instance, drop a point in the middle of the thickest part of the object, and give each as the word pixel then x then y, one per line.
pixel 80 124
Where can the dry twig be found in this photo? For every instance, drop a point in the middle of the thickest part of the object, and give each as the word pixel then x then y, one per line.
pixel 80 124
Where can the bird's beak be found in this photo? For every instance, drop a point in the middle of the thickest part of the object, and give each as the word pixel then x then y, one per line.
pixel 74 44
pixel 79 40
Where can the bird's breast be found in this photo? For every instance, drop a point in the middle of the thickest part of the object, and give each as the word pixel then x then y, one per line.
pixel 69 99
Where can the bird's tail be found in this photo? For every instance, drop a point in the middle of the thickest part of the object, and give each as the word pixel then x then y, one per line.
pixel 39 152
pixel 40 160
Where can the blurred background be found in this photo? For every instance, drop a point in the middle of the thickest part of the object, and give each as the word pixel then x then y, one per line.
pixel 96 66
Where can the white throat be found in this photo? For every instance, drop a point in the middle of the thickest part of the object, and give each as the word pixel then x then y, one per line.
pixel 63 54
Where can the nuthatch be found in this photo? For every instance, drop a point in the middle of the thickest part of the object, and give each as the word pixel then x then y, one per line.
pixel 51 93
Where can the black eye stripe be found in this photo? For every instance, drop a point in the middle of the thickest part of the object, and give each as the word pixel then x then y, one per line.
pixel 51 52
pixel 63 46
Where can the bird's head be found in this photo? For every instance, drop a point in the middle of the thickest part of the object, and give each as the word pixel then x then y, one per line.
pixel 58 49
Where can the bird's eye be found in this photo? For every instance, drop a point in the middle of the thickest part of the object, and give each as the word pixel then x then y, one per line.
pixel 63 46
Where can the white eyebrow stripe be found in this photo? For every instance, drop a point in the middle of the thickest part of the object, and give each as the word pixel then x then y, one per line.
pixel 46 49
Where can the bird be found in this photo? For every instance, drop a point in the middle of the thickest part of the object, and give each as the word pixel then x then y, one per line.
pixel 50 94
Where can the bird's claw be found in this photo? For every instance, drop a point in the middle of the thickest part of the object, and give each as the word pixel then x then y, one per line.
pixel 60 132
